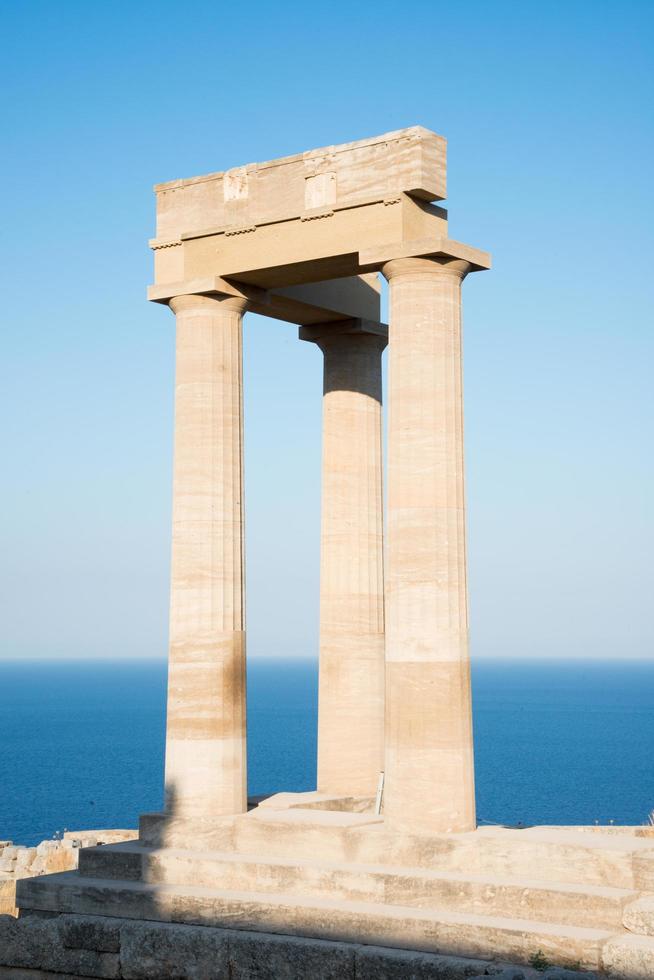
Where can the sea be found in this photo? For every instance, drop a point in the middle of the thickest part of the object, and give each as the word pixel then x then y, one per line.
pixel 82 743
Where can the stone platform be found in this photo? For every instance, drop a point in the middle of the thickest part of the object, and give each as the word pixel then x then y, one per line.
pixel 328 870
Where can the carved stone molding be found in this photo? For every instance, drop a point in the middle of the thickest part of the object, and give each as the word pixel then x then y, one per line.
pixel 154 245
pixel 315 217
pixel 245 230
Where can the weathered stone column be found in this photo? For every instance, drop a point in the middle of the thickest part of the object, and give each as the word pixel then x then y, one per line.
pixel 429 758
pixel 206 740
pixel 351 689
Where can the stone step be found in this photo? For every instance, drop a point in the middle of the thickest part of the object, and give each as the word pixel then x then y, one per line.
pixel 429 930
pixel 304 833
pixel 595 906
pixel 620 861
pixel 166 830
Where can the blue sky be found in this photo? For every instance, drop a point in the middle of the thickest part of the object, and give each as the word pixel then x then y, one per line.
pixel 547 110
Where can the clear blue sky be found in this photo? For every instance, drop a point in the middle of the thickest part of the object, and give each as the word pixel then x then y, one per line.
pixel 548 111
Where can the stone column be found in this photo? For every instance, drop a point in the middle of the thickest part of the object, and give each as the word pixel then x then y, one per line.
pixel 351 688
pixel 429 758
pixel 205 737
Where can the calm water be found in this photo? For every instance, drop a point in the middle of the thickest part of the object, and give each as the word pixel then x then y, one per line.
pixel 82 744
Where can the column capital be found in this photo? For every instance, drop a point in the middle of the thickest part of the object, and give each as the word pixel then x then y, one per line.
pixel 345 332
pixel 208 304
pixel 417 268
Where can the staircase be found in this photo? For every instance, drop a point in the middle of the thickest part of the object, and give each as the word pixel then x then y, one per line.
pixel 495 893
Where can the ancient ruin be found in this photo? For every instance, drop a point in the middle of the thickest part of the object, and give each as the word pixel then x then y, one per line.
pixel 303 238
pixel 382 871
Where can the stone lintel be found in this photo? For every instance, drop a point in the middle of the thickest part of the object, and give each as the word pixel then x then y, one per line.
pixel 311 303
pixel 372 259
pixel 282 254
pixel 322 331
pixel 352 297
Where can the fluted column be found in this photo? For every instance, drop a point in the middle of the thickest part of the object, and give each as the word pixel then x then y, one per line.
pixel 351 685
pixel 429 758
pixel 205 737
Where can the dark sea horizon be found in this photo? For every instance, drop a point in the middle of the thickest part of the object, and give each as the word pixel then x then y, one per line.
pixel 556 742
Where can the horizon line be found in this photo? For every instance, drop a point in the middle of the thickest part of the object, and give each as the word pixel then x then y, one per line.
pixel 506 658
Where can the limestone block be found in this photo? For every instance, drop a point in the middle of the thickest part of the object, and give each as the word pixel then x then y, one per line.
pixel 25 856
pixel 525 973
pixel 89 838
pixel 629 958
pixel 7 895
pixel 151 951
pixel 8 858
pixel 558 974
pixel 102 936
pixel 284 801
pixel 124 864
pixel 508 974
pixel 639 916
pixel 11 973
pixel 317 182
pixel 257 957
pixel 165 830
pixel 36 944
pixel 54 860
pixel 643 866
pixel 24 871
pixel 374 963
pixel 325 248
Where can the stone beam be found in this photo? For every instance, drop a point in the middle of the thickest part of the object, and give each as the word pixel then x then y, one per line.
pixel 354 297
pixel 299 250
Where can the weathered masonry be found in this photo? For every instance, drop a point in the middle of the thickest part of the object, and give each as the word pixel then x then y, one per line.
pixel 303 239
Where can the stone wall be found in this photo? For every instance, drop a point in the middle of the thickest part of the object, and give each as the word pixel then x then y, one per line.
pixel 48 857
pixel 72 947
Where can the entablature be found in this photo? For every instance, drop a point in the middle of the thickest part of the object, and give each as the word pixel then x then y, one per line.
pixel 337 213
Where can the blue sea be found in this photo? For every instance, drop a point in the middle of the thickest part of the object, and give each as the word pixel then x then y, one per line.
pixel 82 743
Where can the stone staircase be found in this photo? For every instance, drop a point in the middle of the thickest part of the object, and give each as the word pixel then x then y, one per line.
pixel 581 899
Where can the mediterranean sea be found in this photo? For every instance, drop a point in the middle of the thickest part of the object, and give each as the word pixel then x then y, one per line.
pixel 82 743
